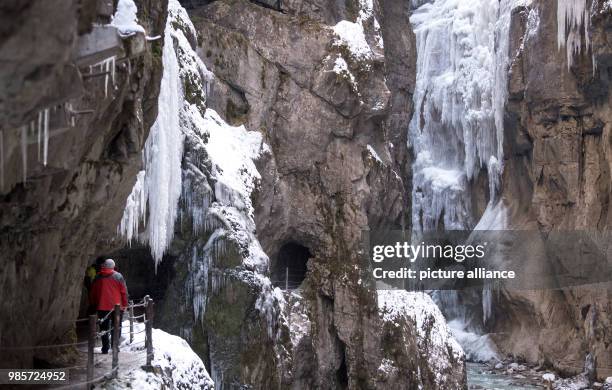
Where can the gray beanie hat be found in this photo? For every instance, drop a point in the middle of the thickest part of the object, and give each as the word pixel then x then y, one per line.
pixel 108 263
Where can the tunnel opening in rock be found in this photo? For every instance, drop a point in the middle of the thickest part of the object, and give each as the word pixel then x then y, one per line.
pixel 289 269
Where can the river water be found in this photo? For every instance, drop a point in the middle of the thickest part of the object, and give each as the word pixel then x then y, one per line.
pixel 479 376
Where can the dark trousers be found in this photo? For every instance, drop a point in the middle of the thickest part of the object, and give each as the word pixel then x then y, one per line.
pixel 105 326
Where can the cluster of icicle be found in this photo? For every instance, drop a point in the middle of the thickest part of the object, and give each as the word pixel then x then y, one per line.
pixel 38 128
pixel 201 272
pixel 107 66
pixel 457 129
pixel 573 23
pixel 158 188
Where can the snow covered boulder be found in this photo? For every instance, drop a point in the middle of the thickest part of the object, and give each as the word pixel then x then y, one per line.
pixel 416 337
pixel 175 364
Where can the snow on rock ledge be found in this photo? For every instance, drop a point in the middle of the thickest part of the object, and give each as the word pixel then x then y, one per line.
pixel 405 313
pixel 175 365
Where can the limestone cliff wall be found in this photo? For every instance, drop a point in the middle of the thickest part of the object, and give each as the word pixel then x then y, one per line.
pixel 55 218
pixel 557 178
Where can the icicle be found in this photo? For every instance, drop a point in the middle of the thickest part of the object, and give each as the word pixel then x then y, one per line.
pixel 24 151
pixel 487 303
pixel 112 60
pixel 40 124
pixel 573 20
pixel 106 70
pixel 72 115
pixel 45 135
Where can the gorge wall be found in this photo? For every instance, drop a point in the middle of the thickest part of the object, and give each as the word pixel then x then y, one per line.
pixel 289 131
pixel 557 176
pixel 61 200
pixel 313 82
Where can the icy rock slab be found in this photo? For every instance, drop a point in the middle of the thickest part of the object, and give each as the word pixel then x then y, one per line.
pixel 444 356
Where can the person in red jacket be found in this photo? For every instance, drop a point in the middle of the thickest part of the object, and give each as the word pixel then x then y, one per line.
pixel 107 290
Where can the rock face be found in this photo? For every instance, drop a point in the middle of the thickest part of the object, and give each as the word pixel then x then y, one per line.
pixel 315 83
pixel 100 106
pixel 557 178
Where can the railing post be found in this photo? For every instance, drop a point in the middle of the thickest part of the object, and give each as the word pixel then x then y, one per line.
pixel 91 343
pixel 149 328
pixel 116 337
pixel 131 315
pixel 286 278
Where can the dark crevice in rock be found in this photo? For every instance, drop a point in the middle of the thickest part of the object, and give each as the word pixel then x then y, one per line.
pixel 289 268
pixel 342 377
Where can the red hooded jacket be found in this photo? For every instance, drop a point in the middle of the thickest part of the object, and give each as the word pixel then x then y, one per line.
pixel 108 290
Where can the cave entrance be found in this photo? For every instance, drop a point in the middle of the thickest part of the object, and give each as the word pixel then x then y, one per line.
pixel 290 268
pixel 141 276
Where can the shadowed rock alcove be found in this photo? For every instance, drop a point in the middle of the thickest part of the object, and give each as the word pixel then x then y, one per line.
pixel 289 269
pixel 142 277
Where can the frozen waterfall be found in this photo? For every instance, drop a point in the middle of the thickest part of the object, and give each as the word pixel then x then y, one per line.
pixel 457 129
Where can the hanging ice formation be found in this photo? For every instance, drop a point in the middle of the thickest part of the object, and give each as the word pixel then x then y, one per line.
pixel 106 66
pixel 41 125
pixel 457 129
pixel 573 23
pixel 45 126
pixel 225 211
pixel 159 185
pixel 218 177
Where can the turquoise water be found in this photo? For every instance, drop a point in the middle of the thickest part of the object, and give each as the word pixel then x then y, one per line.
pixel 479 378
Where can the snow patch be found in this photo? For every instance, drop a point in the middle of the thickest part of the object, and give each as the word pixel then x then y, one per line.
pixel 126 19
pixel 341 68
pixel 352 36
pixel 374 155
pixel 177 366
pixel 233 151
